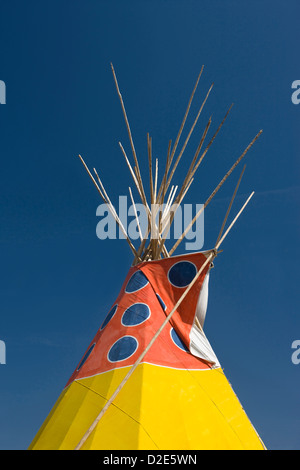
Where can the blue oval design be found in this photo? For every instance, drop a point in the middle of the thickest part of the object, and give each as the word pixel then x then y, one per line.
pixel 109 317
pixel 182 273
pixel 135 314
pixel 137 281
pixel 161 302
pixel 122 349
pixel 85 357
pixel 177 341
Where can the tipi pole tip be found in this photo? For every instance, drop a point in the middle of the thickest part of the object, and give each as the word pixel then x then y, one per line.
pixel 230 205
pixel 233 222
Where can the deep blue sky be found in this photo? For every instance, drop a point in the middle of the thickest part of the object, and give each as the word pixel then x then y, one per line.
pixel 58 280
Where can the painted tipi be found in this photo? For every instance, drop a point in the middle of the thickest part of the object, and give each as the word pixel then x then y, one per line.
pixel 149 379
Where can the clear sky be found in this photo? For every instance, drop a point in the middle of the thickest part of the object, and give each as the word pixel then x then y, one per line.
pixel 58 280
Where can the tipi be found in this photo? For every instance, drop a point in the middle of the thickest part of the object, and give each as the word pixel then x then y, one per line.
pixel 150 379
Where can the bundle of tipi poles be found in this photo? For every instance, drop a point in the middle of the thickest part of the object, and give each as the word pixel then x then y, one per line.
pixel 165 197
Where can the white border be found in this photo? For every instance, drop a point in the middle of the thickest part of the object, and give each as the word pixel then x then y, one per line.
pixel 184 350
pixel 137 324
pixel 178 262
pixel 131 292
pixel 89 352
pixel 116 305
pixel 125 359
